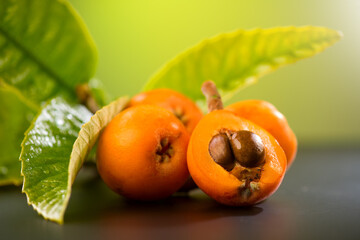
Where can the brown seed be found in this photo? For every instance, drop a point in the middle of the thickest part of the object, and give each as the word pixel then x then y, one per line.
pixel 248 148
pixel 220 151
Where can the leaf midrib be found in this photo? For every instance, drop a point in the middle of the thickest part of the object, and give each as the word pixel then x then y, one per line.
pixel 43 66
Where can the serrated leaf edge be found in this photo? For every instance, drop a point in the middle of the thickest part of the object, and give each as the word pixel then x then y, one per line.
pixel 115 106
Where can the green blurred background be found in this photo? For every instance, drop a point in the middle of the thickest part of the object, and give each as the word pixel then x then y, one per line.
pixel 319 96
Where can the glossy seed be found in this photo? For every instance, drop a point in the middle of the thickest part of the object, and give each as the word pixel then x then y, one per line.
pixel 220 151
pixel 247 148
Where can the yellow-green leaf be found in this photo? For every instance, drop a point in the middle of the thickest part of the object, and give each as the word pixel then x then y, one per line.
pixel 54 149
pixel 235 60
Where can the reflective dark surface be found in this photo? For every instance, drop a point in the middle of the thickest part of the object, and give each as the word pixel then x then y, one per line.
pixel 318 199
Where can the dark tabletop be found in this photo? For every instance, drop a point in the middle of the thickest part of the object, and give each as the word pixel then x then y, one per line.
pixel 318 199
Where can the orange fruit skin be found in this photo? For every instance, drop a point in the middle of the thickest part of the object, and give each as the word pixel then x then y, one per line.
pixel 172 101
pixel 126 153
pixel 218 183
pixel 268 117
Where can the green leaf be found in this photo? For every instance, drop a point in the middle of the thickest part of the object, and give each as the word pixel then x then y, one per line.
pixel 235 60
pixel 45 51
pixel 46 152
pixel 45 48
pixel 54 149
pixel 15 117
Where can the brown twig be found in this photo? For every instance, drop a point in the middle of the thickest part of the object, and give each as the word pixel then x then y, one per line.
pixel 212 95
pixel 85 97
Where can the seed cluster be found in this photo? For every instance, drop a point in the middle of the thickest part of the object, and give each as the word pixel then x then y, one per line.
pixel 238 152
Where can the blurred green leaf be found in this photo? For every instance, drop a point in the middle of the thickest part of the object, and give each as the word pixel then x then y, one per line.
pixel 45 48
pixel 235 60
pixel 15 117
pixel 54 150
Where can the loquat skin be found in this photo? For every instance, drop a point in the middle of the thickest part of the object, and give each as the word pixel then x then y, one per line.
pixel 141 154
pixel 184 108
pixel 226 186
pixel 268 117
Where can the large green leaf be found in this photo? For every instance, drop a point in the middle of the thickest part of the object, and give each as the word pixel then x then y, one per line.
pixel 45 48
pixel 15 118
pixel 235 60
pixel 54 150
pixel 45 51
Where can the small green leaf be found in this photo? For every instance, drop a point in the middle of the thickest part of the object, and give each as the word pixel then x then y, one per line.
pixel 45 48
pixel 54 149
pixel 15 117
pixel 45 155
pixel 235 60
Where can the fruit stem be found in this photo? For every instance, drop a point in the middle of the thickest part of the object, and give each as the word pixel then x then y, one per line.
pixel 85 97
pixel 212 95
